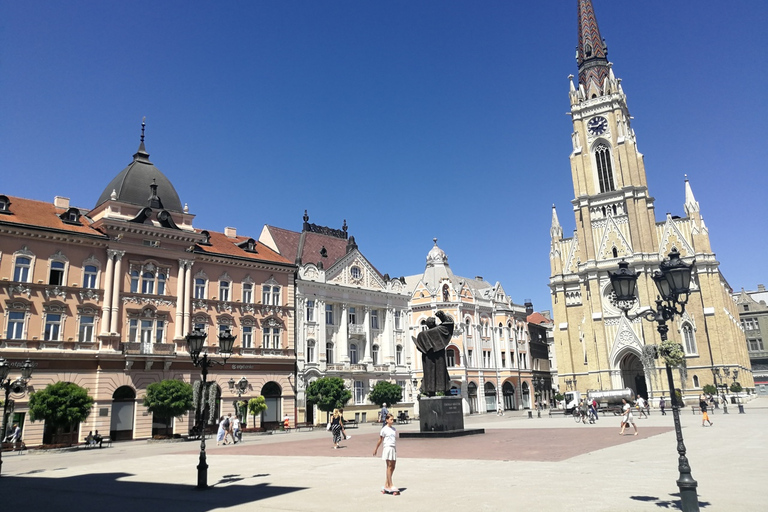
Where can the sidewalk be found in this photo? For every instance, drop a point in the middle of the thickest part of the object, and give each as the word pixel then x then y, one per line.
pixel 546 464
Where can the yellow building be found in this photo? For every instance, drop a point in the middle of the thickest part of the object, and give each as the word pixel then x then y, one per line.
pixel 597 347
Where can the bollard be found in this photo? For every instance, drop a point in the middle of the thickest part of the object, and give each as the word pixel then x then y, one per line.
pixel 741 409
pixel 530 415
pixel 538 413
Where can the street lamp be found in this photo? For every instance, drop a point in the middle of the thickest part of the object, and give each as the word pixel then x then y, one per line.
pixel 673 281
pixel 195 342
pixel 238 387
pixel 538 385
pixel 722 385
pixel 17 386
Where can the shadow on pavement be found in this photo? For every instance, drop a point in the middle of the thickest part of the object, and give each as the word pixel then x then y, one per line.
pixel 668 504
pixel 109 492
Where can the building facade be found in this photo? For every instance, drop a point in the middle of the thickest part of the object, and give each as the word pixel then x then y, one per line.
pixel 753 314
pixel 489 359
pixel 597 347
pixel 104 297
pixel 351 321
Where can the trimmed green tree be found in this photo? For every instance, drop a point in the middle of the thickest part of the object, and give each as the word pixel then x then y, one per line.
pixel 328 393
pixel 709 389
pixel 385 393
pixel 736 388
pixel 60 405
pixel 169 399
pixel 256 406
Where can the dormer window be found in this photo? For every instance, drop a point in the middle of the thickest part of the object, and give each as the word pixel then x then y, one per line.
pixel 71 216
pixel 5 205
pixel 207 240
pixel 248 245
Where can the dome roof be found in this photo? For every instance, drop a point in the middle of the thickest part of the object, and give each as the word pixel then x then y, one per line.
pixel 436 255
pixel 133 184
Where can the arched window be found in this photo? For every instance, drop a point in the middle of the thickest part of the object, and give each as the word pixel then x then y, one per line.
pixel 224 291
pixel 90 275
pixel 375 354
pixel 56 276
pixel 148 283
pixel 352 353
pixel 21 269
pixel 689 341
pixel 399 355
pixel 450 355
pixel 604 170
pixel 329 353
pixel 695 381
pixel 200 286
pixel 310 351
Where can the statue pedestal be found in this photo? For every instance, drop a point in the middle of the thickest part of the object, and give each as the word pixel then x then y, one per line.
pixel 441 416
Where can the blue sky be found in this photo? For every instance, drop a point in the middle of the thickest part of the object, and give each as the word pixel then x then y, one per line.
pixel 411 120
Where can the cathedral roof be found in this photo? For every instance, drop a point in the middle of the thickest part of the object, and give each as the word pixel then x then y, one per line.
pixel 132 184
pixel 591 53
pixel 237 246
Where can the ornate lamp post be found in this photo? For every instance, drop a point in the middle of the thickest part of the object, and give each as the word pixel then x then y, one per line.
pixel 722 385
pixel 195 342
pixel 673 281
pixel 239 388
pixel 17 386
pixel 538 385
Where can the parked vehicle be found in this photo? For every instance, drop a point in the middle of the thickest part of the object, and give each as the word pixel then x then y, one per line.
pixel 572 399
pixel 610 400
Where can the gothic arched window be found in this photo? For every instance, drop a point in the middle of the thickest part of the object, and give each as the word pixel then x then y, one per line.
pixel 689 341
pixel 604 170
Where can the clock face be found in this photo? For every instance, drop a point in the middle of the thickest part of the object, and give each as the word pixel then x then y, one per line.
pixel 597 125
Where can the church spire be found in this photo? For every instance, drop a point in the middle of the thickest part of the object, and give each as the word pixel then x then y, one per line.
pixel 556 231
pixel 591 53
pixel 691 204
pixel 142 154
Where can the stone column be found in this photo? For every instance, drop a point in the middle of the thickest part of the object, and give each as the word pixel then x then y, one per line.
pixel 368 337
pixel 187 296
pixel 106 307
pixel 118 281
pixel 342 342
pixel 180 278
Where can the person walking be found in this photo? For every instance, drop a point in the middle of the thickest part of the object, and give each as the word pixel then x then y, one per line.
pixel 593 408
pixel 641 406
pixel 662 406
pixel 383 414
pixel 222 432
pixel 230 429
pixel 627 418
pixel 337 428
pixel 704 415
pixel 388 435
pixel 236 434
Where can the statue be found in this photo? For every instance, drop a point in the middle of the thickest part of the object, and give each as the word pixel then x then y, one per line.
pixel 432 343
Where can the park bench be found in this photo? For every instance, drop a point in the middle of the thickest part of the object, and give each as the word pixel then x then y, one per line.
pixel 350 424
pixel 18 446
pixel 402 417
pixel 307 426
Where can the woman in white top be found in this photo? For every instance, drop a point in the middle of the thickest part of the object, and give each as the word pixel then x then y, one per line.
pixel 388 435
pixel 627 418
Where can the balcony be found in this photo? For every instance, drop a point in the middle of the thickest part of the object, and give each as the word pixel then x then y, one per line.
pixel 163 349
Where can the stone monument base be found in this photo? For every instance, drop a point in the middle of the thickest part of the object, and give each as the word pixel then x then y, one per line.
pixel 441 416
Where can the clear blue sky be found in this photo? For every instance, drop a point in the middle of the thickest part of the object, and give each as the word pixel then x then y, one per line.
pixel 410 119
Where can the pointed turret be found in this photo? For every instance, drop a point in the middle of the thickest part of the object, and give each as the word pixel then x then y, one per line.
pixel 556 231
pixel 691 204
pixel 591 53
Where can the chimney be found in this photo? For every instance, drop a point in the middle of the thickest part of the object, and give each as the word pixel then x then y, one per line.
pixel 761 287
pixel 478 278
pixel 61 202
pixel 528 307
pixel 230 232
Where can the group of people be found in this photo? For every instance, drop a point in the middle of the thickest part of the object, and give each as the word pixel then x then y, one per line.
pixel 229 428
pixel 94 439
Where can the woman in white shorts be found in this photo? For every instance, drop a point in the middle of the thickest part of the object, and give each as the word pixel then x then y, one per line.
pixel 388 436
pixel 627 418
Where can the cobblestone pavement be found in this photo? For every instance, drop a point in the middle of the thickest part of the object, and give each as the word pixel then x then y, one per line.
pixel 542 463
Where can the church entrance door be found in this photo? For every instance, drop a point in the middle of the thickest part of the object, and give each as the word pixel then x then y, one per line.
pixel 632 374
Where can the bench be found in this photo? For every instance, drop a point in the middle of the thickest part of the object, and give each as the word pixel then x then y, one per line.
pixel 307 426
pixel 18 446
pixel 350 424
pixel 106 440
pixel 402 417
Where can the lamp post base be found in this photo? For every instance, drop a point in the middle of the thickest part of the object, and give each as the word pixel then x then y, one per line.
pixel 202 472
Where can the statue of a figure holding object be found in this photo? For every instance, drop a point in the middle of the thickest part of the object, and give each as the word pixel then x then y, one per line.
pixel 432 343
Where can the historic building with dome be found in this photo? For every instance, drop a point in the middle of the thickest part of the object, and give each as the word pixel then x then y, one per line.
pixel 493 359
pixel 104 297
pixel 598 347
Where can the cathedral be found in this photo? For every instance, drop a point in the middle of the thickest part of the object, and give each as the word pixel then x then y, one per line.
pixel 598 348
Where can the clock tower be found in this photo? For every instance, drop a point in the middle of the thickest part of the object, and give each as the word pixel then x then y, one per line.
pixel 597 347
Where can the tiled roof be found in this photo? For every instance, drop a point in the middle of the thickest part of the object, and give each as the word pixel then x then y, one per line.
pixel 288 243
pixel 226 246
pixel 538 319
pixel 39 214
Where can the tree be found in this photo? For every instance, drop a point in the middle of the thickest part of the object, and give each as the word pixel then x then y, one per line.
pixel 709 389
pixel 168 399
pixel 257 406
pixel 60 405
pixel 385 393
pixel 328 393
pixel 736 388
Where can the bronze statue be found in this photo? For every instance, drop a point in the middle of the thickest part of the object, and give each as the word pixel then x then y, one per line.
pixel 432 343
